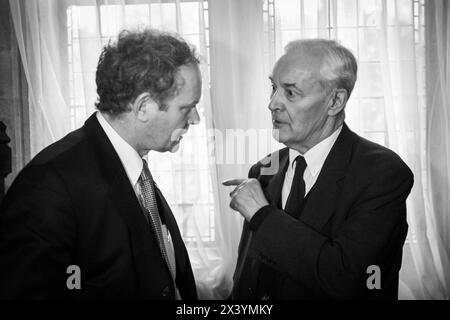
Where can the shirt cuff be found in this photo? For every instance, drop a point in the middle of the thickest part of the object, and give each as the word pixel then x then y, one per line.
pixel 259 217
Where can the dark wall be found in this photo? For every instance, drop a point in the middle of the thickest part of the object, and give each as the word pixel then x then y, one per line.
pixel 13 95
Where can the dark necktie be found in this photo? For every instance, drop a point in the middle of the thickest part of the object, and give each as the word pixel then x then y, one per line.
pixel 151 209
pixel 296 197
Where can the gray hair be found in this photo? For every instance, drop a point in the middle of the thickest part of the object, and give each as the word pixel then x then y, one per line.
pixel 339 67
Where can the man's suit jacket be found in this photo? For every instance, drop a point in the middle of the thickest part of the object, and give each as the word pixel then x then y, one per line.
pixel 354 217
pixel 73 204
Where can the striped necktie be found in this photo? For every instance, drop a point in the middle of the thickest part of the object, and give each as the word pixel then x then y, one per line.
pixel 147 186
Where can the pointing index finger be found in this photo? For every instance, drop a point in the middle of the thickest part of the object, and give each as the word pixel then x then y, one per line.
pixel 233 182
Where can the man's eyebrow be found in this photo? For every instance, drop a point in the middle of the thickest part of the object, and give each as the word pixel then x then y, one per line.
pixel 289 85
pixel 286 84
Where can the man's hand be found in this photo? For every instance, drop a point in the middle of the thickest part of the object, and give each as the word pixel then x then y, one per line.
pixel 247 197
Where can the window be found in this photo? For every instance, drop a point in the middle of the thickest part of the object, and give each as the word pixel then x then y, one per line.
pixel 183 177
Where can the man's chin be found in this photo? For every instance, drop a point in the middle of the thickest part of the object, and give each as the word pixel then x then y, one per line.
pixel 280 136
pixel 277 135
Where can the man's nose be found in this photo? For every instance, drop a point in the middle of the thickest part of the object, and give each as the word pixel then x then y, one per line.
pixel 275 101
pixel 194 117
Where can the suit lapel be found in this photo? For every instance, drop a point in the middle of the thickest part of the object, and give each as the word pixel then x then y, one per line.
pixel 272 185
pixel 123 198
pixel 323 196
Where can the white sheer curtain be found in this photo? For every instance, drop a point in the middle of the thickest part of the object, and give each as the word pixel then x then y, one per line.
pixel 239 96
pixel 438 141
pixel 403 75
pixel 39 29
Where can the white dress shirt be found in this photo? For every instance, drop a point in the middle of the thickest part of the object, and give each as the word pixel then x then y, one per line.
pixel 315 158
pixel 133 165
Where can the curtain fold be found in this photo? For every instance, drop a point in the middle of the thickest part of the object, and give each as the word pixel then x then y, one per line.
pixel 438 140
pixel 37 29
pixel 403 66
pixel 238 109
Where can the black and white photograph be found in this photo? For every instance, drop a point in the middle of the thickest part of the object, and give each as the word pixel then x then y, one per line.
pixel 238 152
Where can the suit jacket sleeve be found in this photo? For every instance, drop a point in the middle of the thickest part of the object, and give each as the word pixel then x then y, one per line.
pixel 338 265
pixel 37 235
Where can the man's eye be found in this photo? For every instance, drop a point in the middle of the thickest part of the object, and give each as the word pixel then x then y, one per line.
pixel 289 93
pixel 273 89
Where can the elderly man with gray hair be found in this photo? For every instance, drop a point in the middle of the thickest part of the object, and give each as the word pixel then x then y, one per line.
pixel 331 222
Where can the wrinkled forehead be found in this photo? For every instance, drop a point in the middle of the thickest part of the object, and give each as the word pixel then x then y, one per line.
pixel 298 67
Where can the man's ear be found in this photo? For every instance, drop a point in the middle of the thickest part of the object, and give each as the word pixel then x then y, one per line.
pixel 339 100
pixel 144 106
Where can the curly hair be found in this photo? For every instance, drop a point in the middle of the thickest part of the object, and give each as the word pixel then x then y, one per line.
pixel 140 61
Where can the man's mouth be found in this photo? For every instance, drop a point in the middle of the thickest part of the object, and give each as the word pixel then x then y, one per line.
pixel 276 122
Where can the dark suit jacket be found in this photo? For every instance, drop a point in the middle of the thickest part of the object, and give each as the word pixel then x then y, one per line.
pixel 354 217
pixel 73 204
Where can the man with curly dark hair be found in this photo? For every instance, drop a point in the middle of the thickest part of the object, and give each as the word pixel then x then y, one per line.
pixel 84 219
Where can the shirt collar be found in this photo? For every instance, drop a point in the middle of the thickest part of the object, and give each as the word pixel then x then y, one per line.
pixel 316 156
pixel 130 159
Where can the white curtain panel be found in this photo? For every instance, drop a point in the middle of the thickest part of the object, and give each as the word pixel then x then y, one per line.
pixel 39 30
pixel 438 140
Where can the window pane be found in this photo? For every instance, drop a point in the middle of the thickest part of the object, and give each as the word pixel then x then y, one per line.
pixel 352 114
pixel 111 20
pixel 288 12
pixel 84 18
pixel 190 17
pixel 78 88
pixel 90 91
pixel 348 37
pixel 370 80
pixel 76 55
pixel 346 13
pixel 369 12
pixel 315 13
pixel 163 16
pixel 400 12
pixel 310 33
pixel 369 44
pixel 401 37
pixel 287 36
pixel 137 15
pixel 404 74
pixel 372 114
pixel 193 40
pixel 90 49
